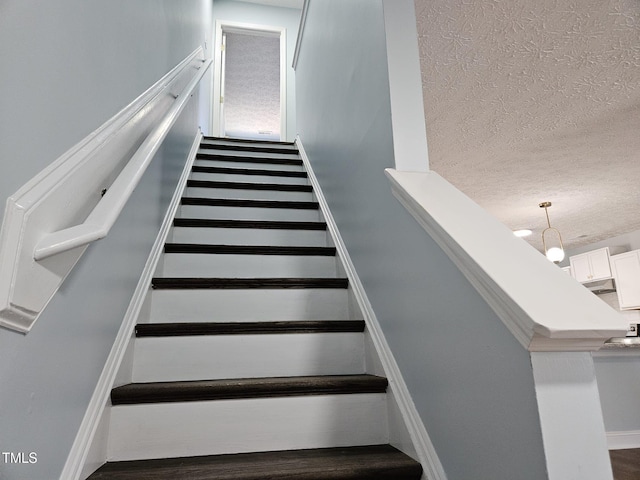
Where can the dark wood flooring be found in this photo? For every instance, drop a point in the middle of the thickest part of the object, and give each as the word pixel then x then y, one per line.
pixel 626 464
pixel 379 462
pixel 310 464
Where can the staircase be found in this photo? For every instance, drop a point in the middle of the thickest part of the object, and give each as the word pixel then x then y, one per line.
pixel 251 364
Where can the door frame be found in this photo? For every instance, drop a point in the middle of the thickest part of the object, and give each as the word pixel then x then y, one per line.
pixel 250 29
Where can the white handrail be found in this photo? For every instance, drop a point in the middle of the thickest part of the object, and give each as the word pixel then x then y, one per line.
pixel 106 212
pixel 301 26
pixel 545 309
pixel 50 221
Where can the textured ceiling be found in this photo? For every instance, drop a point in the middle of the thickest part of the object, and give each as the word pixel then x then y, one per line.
pixel 533 101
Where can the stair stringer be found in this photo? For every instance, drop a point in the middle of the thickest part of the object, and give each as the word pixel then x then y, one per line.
pixel 406 429
pixel 89 449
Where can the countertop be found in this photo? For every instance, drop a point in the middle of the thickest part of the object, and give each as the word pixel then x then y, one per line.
pixel 622 343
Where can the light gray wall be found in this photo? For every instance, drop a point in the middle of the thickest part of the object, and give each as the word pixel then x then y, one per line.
pixel 289 18
pixel 619 386
pixel 66 67
pixel 470 379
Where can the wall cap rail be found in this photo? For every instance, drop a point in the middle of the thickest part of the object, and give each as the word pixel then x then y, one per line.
pixel 544 308
pixel 50 221
pixel 301 27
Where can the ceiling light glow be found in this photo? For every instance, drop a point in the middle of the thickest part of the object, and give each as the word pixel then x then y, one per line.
pixel 555 254
pixel 522 233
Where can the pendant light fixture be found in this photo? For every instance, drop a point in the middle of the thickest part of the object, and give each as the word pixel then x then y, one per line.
pixel 555 252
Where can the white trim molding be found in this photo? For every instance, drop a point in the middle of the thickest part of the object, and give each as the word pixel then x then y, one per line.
pixel 573 435
pixel 544 308
pixel 301 27
pixel 405 86
pixel 74 468
pixel 51 220
pixel 425 450
pixel 623 440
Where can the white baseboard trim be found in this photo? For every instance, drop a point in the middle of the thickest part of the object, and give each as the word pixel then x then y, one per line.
pixel 623 440
pixel 425 450
pixel 73 469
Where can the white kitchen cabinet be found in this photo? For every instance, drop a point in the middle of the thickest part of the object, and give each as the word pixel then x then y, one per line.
pixel 626 271
pixel 591 266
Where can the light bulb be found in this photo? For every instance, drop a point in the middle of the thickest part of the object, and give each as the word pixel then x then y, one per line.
pixel 555 254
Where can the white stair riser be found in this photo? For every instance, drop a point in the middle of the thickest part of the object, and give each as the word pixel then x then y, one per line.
pixel 238 177
pixel 248 266
pixel 249 305
pixel 248 213
pixel 247 164
pixel 247 144
pixel 248 194
pixel 248 425
pixel 159 359
pixel 249 236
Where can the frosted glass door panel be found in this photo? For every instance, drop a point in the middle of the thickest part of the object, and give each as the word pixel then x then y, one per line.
pixel 252 86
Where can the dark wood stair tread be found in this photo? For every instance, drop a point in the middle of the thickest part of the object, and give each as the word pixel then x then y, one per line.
pixel 249 249
pixel 259 224
pixel 220 157
pixel 205 390
pixel 245 140
pixel 234 202
pixel 279 187
pixel 380 462
pixel 189 283
pixel 250 148
pixel 249 171
pixel 247 328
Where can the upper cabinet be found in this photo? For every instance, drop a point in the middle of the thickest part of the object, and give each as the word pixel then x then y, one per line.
pixel 600 264
pixel 591 266
pixel 626 269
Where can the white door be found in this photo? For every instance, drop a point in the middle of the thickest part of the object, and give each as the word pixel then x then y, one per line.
pixel 250 83
pixel 223 62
